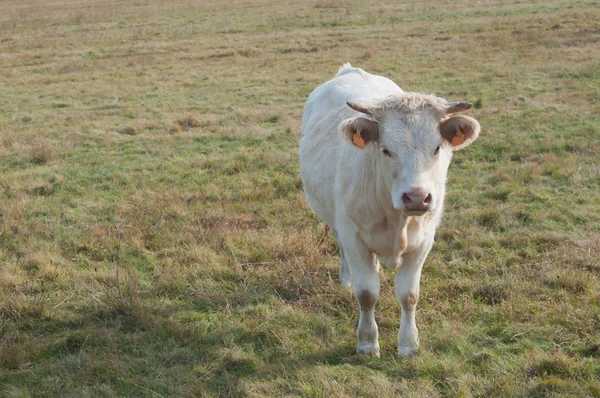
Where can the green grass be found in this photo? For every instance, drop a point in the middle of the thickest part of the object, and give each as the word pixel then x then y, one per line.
pixel 155 240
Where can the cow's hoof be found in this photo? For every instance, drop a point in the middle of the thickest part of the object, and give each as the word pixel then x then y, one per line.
pixel 368 349
pixel 406 351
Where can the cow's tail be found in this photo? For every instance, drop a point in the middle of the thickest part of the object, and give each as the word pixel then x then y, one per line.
pixel 325 233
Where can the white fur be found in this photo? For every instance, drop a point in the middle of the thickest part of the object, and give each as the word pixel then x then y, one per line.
pixel 358 191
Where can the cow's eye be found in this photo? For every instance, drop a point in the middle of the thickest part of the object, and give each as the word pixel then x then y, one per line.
pixel 437 150
pixel 386 153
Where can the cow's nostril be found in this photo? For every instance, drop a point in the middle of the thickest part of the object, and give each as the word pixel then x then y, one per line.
pixel 417 200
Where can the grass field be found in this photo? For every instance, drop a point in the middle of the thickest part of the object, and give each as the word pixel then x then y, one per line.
pixel 155 240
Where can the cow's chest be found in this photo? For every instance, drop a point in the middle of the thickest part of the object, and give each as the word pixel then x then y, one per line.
pixel 392 240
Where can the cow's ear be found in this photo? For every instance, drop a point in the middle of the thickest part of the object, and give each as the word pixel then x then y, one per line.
pixel 459 130
pixel 359 131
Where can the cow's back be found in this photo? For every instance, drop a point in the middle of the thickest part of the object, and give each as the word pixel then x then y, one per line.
pixel 327 103
pixel 321 149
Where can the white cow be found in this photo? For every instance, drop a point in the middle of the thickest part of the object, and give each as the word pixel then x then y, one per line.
pixel 373 161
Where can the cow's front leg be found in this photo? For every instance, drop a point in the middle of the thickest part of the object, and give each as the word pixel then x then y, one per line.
pixel 365 278
pixel 407 292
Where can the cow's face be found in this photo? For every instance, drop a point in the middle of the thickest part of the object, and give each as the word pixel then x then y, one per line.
pixel 413 148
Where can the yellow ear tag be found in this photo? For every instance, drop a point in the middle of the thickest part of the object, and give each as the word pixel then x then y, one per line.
pixel 458 139
pixel 358 140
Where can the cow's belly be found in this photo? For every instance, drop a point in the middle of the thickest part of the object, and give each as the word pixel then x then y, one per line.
pixel 320 209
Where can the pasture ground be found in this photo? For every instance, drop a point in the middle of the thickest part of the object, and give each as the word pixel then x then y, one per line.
pixel 154 238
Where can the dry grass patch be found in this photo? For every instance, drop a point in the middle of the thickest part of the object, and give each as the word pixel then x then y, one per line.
pixel 127 130
pixel 186 123
pixel 41 151
pixel 573 280
pixel 493 293
pixel 32 304
pixel 119 296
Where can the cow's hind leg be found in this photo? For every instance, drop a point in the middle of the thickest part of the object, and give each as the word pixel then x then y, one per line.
pixel 365 278
pixel 407 292
pixel 345 274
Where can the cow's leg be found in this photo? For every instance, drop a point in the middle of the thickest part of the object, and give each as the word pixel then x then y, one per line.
pixel 407 292
pixel 345 274
pixel 365 278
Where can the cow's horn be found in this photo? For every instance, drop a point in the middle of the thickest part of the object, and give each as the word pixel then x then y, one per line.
pixel 454 107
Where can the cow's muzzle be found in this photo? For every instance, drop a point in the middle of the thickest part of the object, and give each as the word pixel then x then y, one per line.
pixel 417 200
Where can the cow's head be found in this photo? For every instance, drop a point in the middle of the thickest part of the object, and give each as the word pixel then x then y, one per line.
pixel 412 137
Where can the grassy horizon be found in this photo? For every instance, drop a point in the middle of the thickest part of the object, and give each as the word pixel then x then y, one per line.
pixel 155 240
